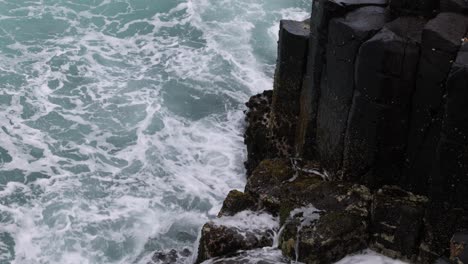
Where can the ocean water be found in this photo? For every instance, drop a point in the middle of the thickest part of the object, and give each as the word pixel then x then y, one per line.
pixel 122 120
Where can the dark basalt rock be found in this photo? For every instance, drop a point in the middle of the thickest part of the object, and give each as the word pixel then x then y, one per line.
pixel 450 171
pixel 220 240
pixel 414 7
pixel 257 137
pixel 171 256
pixel 323 12
pixel 456 6
pixel 375 139
pixel 324 240
pixel 236 202
pixel 397 222
pixel 345 36
pixel 291 64
pixel 440 44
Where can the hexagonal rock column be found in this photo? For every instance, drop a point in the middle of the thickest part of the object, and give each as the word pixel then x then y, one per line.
pixel 450 171
pixel 345 36
pixel 322 12
pixel 441 41
pixel 397 222
pixel 376 136
pixel 290 68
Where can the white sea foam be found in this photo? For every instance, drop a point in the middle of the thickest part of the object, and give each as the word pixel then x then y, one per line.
pixel 368 257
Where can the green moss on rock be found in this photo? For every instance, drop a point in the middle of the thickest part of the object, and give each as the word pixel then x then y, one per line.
pixel 236 202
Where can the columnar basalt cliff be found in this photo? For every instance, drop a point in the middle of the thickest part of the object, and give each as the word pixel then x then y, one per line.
pixel 363 142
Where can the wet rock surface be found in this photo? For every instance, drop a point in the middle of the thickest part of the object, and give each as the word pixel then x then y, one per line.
pixel 227 235
pixel 324 239
pixel 397 222
pixel 172 256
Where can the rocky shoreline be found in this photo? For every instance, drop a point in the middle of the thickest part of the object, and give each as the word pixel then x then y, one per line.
pixel 362 143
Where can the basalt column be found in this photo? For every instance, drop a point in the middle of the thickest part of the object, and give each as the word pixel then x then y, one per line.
pixel 290 68
pixel 345 36
pixel 450 171
pixel 441 41
pixel 449 177
pixel 322 12
pixel 386 67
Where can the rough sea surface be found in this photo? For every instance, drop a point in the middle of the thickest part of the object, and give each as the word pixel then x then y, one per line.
pixel 121 120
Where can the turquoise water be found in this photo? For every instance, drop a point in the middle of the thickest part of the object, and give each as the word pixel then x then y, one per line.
pixel 121 121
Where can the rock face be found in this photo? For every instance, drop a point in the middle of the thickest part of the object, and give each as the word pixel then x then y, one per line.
pixel 363 141
pixel 450 172
pixel 386 67
pixel 345 37
pixel 440 44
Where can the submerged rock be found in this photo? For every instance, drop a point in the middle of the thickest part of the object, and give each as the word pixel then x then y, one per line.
pixel 171 257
